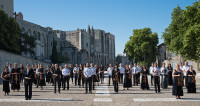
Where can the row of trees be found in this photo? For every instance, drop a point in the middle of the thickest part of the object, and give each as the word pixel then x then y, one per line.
pixel 183 34
pixel 11 38
pixel 181 37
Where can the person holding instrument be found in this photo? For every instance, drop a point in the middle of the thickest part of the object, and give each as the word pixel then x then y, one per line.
pixel 41 78
pixel 57 76
pixel 5 75
pixel 177 89
pixel 144 82
pixel 15 78
pixel 28 76
pixel 115 76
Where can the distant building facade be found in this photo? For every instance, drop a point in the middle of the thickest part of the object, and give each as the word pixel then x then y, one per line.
pixel 78 46
pixel 123 58
pixel 167 57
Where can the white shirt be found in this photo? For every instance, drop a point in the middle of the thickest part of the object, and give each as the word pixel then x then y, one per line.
pixel 134 70
pixel 93 70
pixel 9 69
pixel 65 71
pixel 162 70
pixel 138 69
pixel 110 70
pixel 87 72
pixel 181 68
pixel 185 68
pixel 156 68
pixel 151 69
pixel 121 69
pixel 37 69
pixel 75 70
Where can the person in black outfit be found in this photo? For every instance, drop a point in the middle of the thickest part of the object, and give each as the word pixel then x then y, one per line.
pixel 170 79
pixel 57 75
pixel 102 73
pixel 61 79
pixel 127 78
pixel 115 76
pixel 191 82
pixel 21 73
pixel 5 75
pixel 48 75
pixel 41 76
pixel 28 76
pixel 71 72
pixel 80 76
pixel 144 83
pixel 177 89
pixel 52 70
pixel 15 78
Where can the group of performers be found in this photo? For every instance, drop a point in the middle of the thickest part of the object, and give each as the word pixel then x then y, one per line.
pixel 89 76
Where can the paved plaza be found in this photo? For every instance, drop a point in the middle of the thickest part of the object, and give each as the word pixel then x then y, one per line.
pixel 102 96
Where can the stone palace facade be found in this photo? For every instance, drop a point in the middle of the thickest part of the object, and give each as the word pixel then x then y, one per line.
pixel 78 46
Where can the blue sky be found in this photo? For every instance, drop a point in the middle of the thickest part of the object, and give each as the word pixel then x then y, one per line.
pixel 118 17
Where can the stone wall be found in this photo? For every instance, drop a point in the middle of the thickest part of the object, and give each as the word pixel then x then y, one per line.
pixel 14 58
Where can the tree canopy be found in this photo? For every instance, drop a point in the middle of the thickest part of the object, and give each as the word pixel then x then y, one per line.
pixel 11 38
pixel 142 46
pixel 183 34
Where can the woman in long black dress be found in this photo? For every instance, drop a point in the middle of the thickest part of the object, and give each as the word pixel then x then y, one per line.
pixel 170 80
pixel 191 80
pixel 15 78
pixel 21 73
pixel 80 76
pixel 48 75
pixel 177 82
pixel 144 83
pixel 97 75
pixel 5 75
pixel 127 78
pixel 41 79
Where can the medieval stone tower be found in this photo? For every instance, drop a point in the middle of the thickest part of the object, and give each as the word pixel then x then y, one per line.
pixel 7 6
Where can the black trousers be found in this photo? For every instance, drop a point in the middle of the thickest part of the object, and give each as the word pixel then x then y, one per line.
pixel 93 81
pixel 138 78
pixel 57 80
pixel 185 79
pixel 135 79
pixel 38 80
pixel 88 81
pixel 152 80
pixel 64 83
pixel 116 86
pixel 157 83
pixel 110 78
pixel 76 79
pixel 79 80
pixel 28 89
pixel 121 78
pixel 72 76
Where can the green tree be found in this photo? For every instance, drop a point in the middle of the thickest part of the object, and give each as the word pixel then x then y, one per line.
pixel 9 34
pixel 54 56
pixel 142 46
pixel 11 38
pixel 183 34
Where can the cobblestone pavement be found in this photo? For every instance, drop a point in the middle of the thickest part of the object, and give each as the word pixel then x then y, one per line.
pixel 103 95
